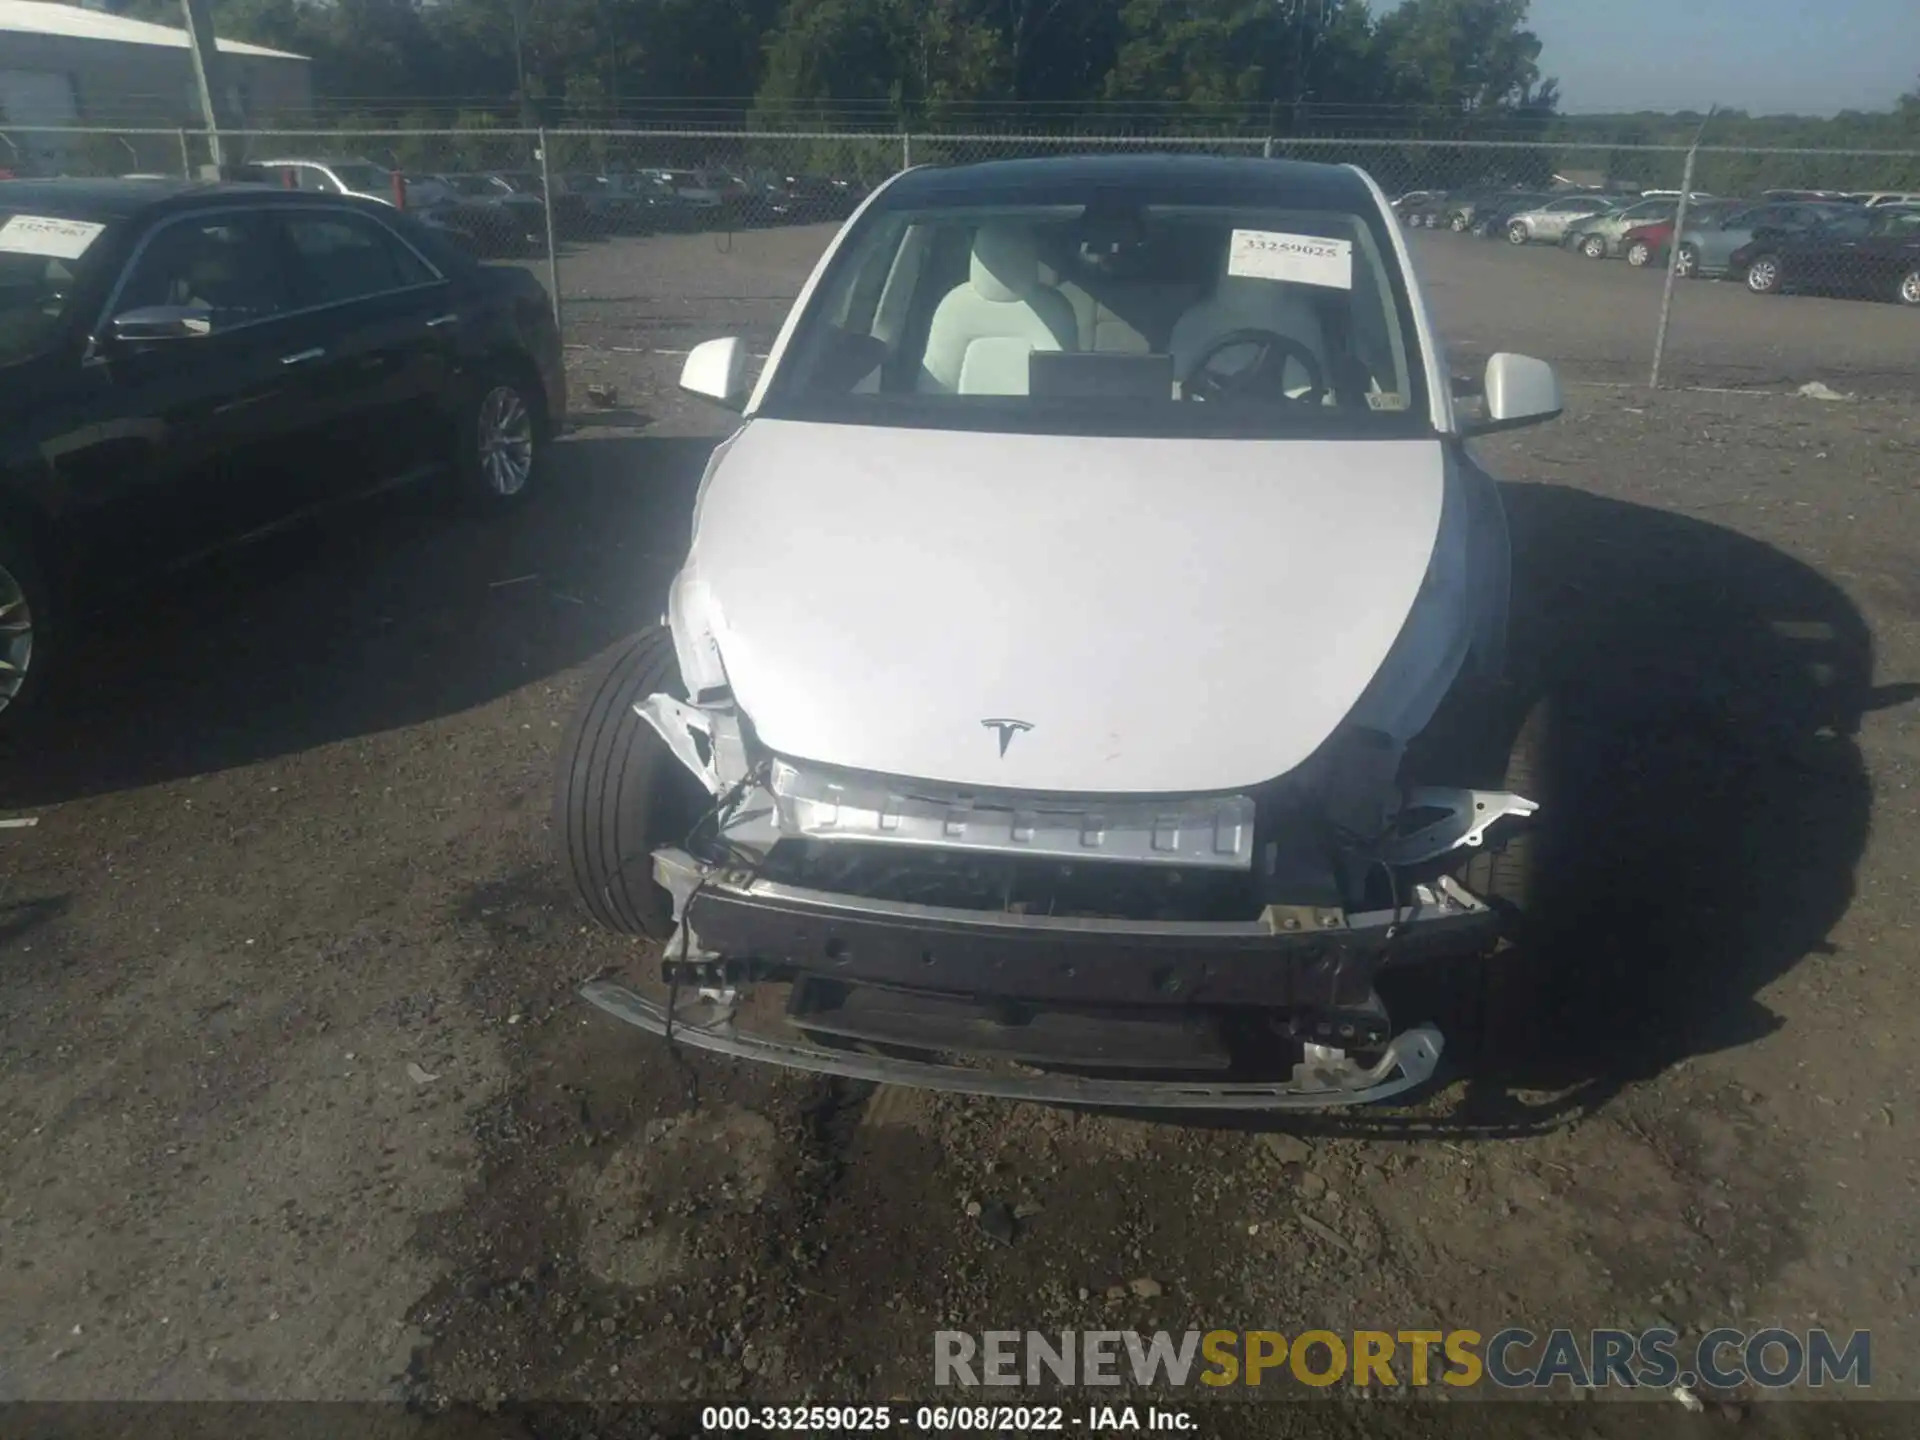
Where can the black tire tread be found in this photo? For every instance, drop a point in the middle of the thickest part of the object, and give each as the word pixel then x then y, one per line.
pixel 1506 986
pixel 609 769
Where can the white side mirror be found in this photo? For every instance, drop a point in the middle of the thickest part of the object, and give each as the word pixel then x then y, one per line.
pixel 1519 391
pixel 717 370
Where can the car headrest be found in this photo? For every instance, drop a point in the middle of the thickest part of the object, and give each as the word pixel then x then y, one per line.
pixel 1006 263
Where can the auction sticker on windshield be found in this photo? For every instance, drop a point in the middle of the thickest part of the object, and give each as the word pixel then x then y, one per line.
pixel 1302 259
pixel 48 235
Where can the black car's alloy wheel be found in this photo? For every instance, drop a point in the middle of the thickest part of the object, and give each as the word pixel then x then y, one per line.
pixel 1687 263
pixel 1763 275
pixel 1909 291
pixel 22 628
pixel 500 438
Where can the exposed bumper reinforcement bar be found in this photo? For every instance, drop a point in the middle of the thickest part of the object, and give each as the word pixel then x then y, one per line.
pixel 1323 1080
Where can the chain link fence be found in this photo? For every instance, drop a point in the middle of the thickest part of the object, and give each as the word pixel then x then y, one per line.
pixel 1794 266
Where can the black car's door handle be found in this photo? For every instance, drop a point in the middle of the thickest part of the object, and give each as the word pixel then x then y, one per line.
pixel 301 357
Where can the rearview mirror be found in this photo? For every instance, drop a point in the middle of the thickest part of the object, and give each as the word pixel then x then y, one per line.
pixel 163 322
pixel 717 370
pixel 1518 390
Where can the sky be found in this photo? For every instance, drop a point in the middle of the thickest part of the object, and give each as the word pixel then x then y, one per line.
pixel 1811 57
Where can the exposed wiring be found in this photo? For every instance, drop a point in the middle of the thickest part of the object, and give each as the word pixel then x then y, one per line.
pixel 717 814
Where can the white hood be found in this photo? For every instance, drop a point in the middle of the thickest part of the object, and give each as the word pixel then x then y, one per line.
pixel 1169 616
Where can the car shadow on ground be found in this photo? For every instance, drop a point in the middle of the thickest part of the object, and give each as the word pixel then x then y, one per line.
pixel 376 616
pixel 1706 798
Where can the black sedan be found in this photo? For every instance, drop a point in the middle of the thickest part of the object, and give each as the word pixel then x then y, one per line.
pixel 1874 253
pixel 184 366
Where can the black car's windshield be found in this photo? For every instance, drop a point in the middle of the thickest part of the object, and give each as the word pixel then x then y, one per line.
pixel 1135 313
pixel 45 261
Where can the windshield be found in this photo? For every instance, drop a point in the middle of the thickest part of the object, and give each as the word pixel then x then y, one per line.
pixel 1149 318
pixel 367 179
pixel 45 262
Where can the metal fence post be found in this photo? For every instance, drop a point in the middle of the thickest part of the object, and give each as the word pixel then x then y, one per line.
pixel 553 249
pixel 186 155
pixel 906 150
pixel 1673 252
pixel 1266 149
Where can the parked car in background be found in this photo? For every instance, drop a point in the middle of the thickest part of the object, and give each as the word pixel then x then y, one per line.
pixel 1647 244
pixel 1873 253
pixel 1549 222
pixel 667 209
pixel 1833 196
pixel 815 198
pixel 196 364
pixel 1488 218
pixel 1467 210
pixel 1421 209
pixel 1875 198
pixel 1652 243
pixel 696 193
pixel 1707 248
pixel 1414 199
pixel 1598 237
pixel 356 177
pixel 502 220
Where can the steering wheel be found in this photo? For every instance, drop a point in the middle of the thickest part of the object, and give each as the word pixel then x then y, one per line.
pixel 1263 379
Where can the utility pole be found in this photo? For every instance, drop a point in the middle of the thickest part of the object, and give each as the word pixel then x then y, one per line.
pixel 1673 249
pixel 520 63
pixel 206 75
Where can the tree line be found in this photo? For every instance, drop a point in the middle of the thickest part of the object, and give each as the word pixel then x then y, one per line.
pixel 1195 65
pixel 1426 70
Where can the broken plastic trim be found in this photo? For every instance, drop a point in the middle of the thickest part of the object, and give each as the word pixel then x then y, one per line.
pixel 1325 1078
pixel 705 739
pixel 1464 823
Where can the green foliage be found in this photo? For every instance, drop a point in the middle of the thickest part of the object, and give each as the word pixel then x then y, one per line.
pixel 1307 69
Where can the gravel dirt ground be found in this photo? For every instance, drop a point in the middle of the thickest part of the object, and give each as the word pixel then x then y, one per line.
pixel 298 1101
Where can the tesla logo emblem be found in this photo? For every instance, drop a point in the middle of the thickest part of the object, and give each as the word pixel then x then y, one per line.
pixel 1008 729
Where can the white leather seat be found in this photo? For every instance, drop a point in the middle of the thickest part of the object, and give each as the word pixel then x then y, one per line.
pixel 983 331
pixel 1242 302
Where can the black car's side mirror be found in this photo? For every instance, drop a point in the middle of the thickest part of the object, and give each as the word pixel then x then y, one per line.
pixel 162 322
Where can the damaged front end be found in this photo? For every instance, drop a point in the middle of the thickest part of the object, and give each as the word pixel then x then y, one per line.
pixel 1204 952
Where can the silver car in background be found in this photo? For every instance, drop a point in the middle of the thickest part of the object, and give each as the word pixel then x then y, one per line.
pixel 1598 237
pixel 1549 222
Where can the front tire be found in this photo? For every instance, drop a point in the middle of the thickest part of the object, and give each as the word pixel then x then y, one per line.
pixel 1908 292
pixel 1764 275
pixel 1594 248
pixel 1505 990
pixel 1688 262
pixel 619 793
pixel 1456 223
pixel 1639 255
pixel 1518 234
